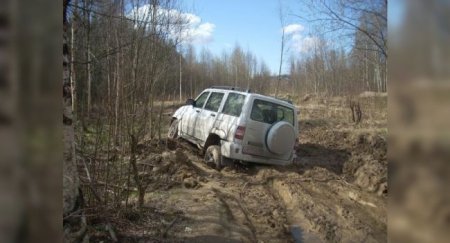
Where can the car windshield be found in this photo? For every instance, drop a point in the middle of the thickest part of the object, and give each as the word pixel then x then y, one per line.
pixel 268 112
pixel 201 100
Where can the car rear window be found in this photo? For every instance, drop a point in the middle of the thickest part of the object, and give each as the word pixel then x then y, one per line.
pixel 268 112
pixel 233 105
pixel 214 101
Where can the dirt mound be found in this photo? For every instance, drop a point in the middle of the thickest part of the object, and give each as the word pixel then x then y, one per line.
pixel 368 143
pixel 368 165
pixel 172 168
pixel 372 177
pixel 359 156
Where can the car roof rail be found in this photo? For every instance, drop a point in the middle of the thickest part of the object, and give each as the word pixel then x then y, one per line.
pixel 286 100
pixel 231 88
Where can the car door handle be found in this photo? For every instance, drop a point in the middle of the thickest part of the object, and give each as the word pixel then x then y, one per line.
pixel 213 115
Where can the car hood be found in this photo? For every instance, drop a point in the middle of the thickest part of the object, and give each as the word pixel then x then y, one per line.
pixel 180 111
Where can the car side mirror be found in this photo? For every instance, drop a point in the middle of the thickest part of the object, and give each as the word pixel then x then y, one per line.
pixel 190 102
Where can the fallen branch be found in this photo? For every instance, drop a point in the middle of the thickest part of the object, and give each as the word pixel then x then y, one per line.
pixel 111 232
pixel 164 234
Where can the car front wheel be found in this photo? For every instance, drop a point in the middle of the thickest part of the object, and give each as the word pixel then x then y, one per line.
pixel 173 130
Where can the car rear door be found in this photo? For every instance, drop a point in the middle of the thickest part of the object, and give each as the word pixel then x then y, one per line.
pixel 261 117
pixel 227 118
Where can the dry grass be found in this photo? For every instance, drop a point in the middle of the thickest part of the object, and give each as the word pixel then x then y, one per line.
pixel 335 113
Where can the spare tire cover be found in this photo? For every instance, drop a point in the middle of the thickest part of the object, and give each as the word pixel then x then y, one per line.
pixel 280 138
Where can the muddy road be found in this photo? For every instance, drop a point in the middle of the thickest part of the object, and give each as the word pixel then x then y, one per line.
pixel 336 191
pixel 318 199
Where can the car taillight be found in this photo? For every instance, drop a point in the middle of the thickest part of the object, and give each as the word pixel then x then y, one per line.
pixel 240 131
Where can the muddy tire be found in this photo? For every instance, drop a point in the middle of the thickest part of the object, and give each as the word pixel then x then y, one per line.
pixel 173 130
pixel 213 157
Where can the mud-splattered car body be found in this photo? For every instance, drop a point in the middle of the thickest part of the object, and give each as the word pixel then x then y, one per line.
pixel 242 126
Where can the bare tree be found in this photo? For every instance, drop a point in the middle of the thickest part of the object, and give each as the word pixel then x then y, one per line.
pixel 72 199
pixel 346 17
pixel 87 23
pixel 330 69
pixel 281 16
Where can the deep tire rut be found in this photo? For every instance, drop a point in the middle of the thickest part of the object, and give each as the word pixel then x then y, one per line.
pixel 290 204
pixel 325 215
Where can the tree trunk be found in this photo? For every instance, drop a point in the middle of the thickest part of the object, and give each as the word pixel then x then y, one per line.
pixel 108 70
pixel 88 55
pixel 366 69
pixel 71 181
pixel 281 64
pixel 72 197
pixel 180 75
pixel 117 100
pixel 72 60
pixel 135 170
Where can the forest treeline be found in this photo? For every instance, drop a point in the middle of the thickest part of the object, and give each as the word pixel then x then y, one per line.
pixel 119 53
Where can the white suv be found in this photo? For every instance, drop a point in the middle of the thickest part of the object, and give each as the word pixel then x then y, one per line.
pixel 229 124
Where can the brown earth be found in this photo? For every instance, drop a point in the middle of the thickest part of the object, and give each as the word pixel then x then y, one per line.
pixel 336 191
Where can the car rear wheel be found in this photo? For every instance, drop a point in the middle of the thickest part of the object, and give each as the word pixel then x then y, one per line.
pixel 173 130
pixel 213 157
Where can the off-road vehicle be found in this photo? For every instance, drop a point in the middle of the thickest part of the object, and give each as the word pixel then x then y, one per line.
pixel 231 124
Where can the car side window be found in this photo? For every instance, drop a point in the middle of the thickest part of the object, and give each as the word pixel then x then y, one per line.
pixel 233 105
pixel 214 101
pixel 201 100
